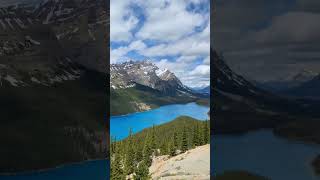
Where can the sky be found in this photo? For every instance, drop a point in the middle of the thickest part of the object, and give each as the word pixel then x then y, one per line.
pixel 268 40
pixel 173 34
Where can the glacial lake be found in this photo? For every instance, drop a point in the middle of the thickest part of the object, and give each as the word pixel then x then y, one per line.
pixel 120 125
pixel 264 154
pixel 89 170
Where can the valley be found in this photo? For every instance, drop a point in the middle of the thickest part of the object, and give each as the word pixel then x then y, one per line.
pixel 242 108
pixel 153 115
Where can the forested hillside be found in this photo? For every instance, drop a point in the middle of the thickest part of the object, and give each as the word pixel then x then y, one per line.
pixel 135 153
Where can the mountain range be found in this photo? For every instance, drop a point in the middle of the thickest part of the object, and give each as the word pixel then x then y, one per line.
pixel 308 89
pixel 289 82
pixel 53 69
pixel 240 105
pixel 141 85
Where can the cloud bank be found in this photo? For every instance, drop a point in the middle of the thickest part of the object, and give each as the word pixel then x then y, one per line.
pixel 268 40
pixel 173 34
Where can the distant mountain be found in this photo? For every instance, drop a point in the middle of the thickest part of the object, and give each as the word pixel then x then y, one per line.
pixel 241 106
pixel 288 82
pixel 205 90
pixel 53 59
pixel 309 89
pixel 141 85
pixel 304 76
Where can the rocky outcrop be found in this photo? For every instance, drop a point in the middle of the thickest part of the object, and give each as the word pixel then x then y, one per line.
pixel 193 164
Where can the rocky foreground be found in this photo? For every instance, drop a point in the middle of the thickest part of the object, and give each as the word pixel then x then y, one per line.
pixel 193 164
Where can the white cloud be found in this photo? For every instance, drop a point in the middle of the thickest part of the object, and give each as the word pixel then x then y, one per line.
pixel 122 20
pixel 206 61
pixel 119 54
pixel 201 70
pixel 168 20
pixel 195 45
pixel 137 45
pixel 284 28
pixel 186 59
pixel 178 68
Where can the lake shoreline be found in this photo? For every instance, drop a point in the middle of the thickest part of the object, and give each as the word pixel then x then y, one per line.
pixel 156 107
pixel 122 115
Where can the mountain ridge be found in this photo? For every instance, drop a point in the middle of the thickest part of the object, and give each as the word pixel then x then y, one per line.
pixel 141 86
pixel 240 106
pixel 148 74
pixel 47 42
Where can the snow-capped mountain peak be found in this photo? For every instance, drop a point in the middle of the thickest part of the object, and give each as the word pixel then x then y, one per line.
pixel 147 74
pixel 159 72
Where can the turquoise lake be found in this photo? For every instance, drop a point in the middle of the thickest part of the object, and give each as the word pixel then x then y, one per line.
pixel 263 153
pixel 120 125
pixel 89 170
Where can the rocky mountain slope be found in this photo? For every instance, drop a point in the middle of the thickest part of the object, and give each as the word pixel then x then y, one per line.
pixel 53 59
pixel 45 43
pixel 140 86
pixel 148 74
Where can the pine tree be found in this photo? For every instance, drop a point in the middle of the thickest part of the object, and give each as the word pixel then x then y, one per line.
pixel 117 172
pixel 201 137
pixel 206 133
pixel 164 148
pixel 129 159
pixel 171 148
pixel 139 153
pixel 147 152
pixel 175 140
pixel 113 144
pixel 184 147
pixel 142 171
pixel 195 136
pixel 153 144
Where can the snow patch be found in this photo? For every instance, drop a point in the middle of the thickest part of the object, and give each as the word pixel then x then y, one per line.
pixel 11 80
pixel 33 79
pixel 2 24
pixel 32 40
pixel 160 72
pixel 9 22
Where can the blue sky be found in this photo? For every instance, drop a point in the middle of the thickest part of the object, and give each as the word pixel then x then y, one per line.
pixel 174 34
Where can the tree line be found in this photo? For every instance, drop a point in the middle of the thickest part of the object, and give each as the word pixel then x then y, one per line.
pixel 132 157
